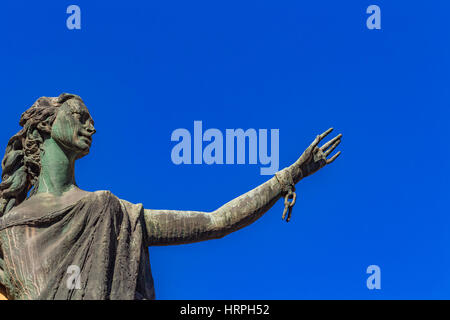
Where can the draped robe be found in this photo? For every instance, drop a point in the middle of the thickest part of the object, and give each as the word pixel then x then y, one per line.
pixel 100 234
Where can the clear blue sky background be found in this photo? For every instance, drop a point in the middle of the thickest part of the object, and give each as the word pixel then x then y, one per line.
pixel 145 68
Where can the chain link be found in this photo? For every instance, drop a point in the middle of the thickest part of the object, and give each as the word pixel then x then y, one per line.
pixel 288 205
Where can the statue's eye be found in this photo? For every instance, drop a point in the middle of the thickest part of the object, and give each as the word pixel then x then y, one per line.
pixel 84 118
pixel 79 116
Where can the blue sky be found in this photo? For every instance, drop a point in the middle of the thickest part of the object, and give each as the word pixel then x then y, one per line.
pixel 146 68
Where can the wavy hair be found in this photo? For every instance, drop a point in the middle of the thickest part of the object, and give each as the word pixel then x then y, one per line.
pixel 21 164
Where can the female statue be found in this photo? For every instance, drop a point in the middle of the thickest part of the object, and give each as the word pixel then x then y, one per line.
pixel 48 225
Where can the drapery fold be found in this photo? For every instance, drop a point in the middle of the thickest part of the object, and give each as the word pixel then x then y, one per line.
pixel 100 235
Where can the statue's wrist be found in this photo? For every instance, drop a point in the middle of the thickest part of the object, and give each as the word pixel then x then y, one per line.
pixel 286 180
pixel 297 173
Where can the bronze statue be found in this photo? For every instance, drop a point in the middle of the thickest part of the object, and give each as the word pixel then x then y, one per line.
pixel 48 224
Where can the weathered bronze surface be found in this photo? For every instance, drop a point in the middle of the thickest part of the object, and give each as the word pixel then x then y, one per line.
pixel 48 224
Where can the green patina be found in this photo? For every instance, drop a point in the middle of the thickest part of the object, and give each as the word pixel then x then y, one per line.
pixel 59 225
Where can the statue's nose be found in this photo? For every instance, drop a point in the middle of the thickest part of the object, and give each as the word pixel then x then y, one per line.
pixel 91 129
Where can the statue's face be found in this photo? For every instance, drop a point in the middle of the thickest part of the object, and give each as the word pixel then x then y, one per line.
pixel 73 128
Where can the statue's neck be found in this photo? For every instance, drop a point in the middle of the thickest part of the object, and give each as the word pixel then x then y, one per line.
pixel 57 169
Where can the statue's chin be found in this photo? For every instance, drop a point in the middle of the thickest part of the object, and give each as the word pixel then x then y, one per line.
pixel 81 152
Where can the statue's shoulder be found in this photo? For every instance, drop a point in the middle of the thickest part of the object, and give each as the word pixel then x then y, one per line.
pixel 48 205
pixel 45 202
pixel 127 205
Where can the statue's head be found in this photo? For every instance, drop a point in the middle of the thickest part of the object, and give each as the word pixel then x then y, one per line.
pixel 66 120
pixel 72 128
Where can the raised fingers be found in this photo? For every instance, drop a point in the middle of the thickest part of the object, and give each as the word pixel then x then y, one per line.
pixel 333 158
pixel 330 150
pixel 319 138
pixel 323 135
pixel 331 142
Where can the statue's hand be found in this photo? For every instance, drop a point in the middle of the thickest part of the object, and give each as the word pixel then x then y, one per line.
pixel 310 161
pixel 316 157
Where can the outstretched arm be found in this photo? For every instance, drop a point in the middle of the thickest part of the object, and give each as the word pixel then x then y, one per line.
pixel 177 227
pixel 166 227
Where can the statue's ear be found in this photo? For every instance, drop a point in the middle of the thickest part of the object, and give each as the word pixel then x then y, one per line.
pixel 44 127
